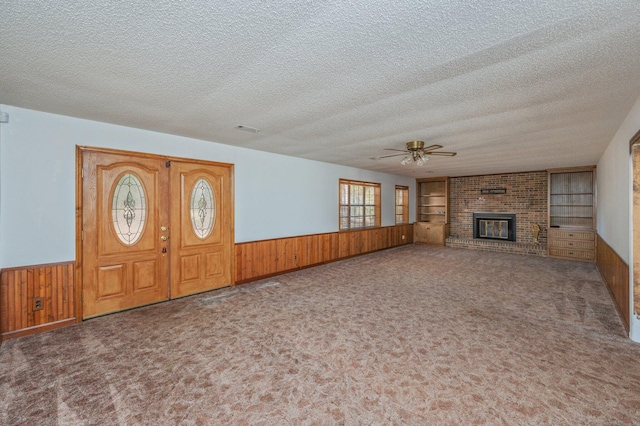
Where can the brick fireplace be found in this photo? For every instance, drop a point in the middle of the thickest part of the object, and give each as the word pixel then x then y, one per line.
pixel 523 195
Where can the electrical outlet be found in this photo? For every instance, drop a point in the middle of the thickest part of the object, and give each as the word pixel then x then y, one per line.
pixel 403 237
pixel 295 257
pixel 37 304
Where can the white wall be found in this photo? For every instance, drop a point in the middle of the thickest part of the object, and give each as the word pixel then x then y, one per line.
pixel 2 127
pixel 614 198
pixel 613 187
pixel 275 195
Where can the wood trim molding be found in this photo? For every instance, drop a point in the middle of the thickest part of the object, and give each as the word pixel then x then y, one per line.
pixel 615 273
pixel 635 140
pixel 634 149
pixel 38 329
pixel 493 174
pixel 40 266
pixel 573 169
pixel 150 155
pixel 635 218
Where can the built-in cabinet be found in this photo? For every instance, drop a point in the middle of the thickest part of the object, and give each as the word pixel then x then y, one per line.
pixel 430 233
pixel 579 245
pixel 432 218
pixel 572 206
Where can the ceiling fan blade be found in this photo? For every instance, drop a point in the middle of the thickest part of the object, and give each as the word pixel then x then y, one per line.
pixel 431 148
pixel 399 150
pixel 442 153
pixel 392 155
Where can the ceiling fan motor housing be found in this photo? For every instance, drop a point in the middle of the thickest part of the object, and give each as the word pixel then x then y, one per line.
pixel 415 145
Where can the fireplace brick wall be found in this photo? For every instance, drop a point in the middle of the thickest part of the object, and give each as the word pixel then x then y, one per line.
pixel 526 196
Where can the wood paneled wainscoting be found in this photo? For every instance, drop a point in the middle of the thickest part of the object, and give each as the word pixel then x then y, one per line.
pixel 36 298
pixel 615 273
pixel 261 259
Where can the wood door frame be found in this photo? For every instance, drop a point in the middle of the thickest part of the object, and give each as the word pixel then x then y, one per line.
pixel 79 209
pixel 634 262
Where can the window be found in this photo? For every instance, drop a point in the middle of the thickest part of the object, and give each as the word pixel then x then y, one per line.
pixel 129 209
pixel 402 204
pixel 359 204
pixel 203 208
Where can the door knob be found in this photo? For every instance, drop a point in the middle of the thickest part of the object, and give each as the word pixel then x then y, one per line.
pixel 163 228
pixel 163 238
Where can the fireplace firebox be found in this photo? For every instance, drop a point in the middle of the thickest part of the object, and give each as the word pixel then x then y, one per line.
pixel 494 226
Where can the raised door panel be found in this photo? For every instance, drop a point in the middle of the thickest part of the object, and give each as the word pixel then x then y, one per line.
pixel 201 232
pixel 145 275
pixel 124 217
pixel 111 281
pixel 215 265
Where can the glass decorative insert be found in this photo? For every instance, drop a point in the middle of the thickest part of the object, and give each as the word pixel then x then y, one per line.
pixel 203 209
pixel 129 209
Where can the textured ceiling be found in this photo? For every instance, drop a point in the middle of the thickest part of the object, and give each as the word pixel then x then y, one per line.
pixel 509 85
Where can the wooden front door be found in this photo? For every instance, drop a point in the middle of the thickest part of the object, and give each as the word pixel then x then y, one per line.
pixel 124 210
pixel 201 226
pixel 152 229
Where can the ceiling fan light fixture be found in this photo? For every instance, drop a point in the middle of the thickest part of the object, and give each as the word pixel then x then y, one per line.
pixel 417 153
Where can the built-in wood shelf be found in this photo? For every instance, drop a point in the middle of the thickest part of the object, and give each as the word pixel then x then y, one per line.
pixel 432 200
pixel 571 233
pixel 432 219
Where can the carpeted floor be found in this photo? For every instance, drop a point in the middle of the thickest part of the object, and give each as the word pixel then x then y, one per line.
pixel 416 335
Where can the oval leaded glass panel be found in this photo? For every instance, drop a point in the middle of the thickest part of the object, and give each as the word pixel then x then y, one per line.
pixel 203 209
pixel 129 209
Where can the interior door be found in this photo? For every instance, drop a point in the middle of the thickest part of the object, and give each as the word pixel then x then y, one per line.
pixel 201 227
pixel 125 217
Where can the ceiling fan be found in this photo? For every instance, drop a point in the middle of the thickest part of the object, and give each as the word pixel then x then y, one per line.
pixel 418 153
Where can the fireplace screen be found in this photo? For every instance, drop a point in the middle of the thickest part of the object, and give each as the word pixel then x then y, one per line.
pixel 493 229
pixel 494 226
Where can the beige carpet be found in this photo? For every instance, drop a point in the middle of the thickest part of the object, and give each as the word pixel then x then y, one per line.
pixel 416 335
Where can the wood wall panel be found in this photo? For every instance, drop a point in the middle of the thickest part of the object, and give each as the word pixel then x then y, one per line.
pixel 260 259
pixel 53 283
pixel 615 273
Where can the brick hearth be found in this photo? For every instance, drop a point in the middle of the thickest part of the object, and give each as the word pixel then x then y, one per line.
pixel 500 246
